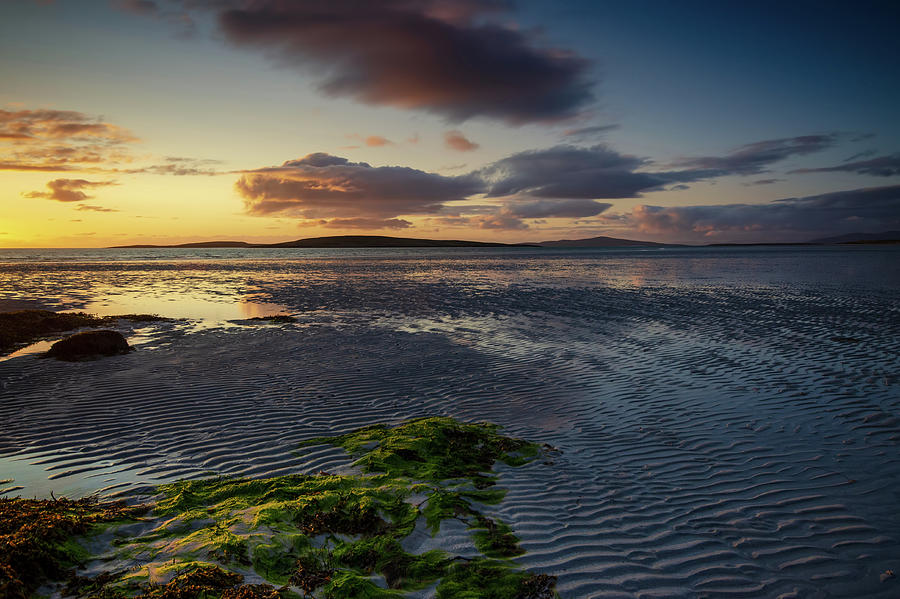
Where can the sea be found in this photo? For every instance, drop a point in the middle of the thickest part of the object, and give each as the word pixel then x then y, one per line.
pixel 216 284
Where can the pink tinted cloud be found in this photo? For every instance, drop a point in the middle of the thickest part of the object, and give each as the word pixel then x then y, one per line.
pixel 324 186
pixel 60 140
pixel 455 140
pixel 440 57
pixel 376 141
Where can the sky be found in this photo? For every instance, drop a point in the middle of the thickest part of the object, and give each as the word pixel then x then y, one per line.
pixel 172 121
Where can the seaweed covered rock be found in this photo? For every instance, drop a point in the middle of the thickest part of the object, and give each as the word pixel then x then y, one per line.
pixel 21 327
pixel 89 344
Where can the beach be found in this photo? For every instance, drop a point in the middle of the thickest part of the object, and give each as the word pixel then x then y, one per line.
pixel 725 422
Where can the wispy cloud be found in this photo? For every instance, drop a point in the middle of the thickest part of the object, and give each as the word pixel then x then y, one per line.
pixel 179 18
pixel 883 166
pixel 180 167
pixel 755 158
pixel 588 132
pixel 60 140
pixel 455 140
pixel 377 141
pixel 68 190
pixel 69 141
pixel 92 208
pixel 366 223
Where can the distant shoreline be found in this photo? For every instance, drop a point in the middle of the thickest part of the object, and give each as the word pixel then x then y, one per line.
pixel 379 241
pixel 340 241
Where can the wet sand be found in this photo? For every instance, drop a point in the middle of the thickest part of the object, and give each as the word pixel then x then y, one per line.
pixel 716 441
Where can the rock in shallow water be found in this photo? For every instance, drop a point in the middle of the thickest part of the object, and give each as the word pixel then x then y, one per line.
pixel 89 344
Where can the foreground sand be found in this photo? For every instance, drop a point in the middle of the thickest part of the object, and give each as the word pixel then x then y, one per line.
pixel 783 481
pixel 728 421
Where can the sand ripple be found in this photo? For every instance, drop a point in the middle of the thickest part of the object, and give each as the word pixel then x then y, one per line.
pixel 713 442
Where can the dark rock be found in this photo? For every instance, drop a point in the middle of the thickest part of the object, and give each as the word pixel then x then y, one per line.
pixel 87 344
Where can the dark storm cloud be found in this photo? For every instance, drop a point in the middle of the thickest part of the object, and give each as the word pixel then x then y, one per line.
pixel 68 190
pixel 555 208
pixel 495 221
pixel 325 186
pixel 569 172
pixel 512 214
pixel 883 166
pixel 441 57
pixel 755 158
pixel 842 211
pixel 559 182
pixel 599 172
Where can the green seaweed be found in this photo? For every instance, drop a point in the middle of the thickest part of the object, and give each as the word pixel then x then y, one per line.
pixel 495 539
pixel 433 449
pixel 493 579
pixel 386 556
pixel 337 536
pixel 443 504
pixel 349 584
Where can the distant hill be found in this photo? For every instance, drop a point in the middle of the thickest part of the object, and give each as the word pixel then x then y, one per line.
pixel 884 237
pixel 601 242
pixel 336 241
pixel 198 244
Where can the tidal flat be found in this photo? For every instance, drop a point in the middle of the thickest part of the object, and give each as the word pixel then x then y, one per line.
pixel 722 422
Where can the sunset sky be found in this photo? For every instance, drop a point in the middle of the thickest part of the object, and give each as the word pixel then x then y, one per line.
pixel 167 121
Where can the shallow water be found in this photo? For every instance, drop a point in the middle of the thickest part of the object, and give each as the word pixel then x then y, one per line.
pixel 729 419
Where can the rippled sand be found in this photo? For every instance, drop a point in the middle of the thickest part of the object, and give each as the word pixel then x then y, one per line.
pixel 728 428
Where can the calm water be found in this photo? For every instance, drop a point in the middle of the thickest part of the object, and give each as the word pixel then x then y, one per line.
pixel 238 283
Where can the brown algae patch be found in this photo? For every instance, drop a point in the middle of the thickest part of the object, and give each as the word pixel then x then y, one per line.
pixel 330 536
pixel 22 327
pixel 275 319
pixel 36 538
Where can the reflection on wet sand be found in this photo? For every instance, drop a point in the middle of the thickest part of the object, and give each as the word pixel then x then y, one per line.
pixel 201 306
